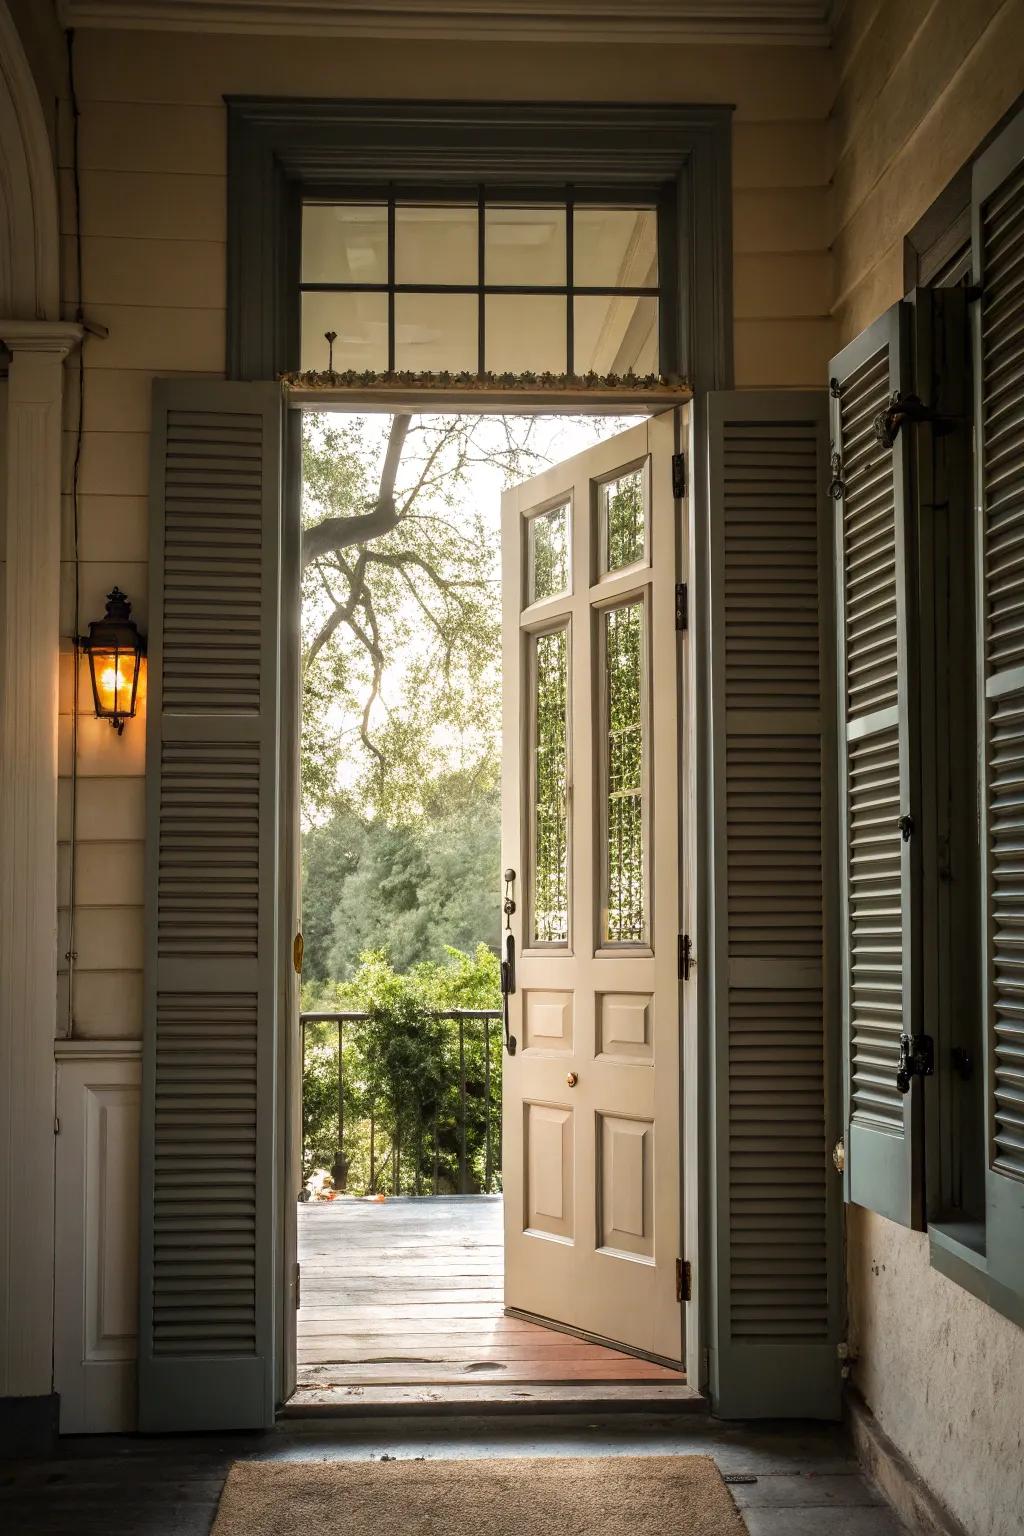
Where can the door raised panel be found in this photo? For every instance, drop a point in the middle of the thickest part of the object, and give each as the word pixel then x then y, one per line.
pixel 97 1236
pixel 547 1021
pixel 112 1221
pixel 624 1026
pixel 548 1170
pixel 625 1194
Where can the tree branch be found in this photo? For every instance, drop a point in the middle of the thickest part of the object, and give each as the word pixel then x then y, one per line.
pixel 336 533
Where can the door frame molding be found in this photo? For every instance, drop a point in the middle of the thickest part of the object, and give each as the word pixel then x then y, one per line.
pixel 281 149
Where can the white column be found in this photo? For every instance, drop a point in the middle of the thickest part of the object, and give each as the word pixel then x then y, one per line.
pixel 28 850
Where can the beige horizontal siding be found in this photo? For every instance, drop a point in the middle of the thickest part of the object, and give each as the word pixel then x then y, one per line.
pixel 175 69
pixel 920 93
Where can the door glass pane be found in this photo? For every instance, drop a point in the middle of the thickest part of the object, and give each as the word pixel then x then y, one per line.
pixel 360 324
pixel 625 915
pixel 615 333
pixel 436 332
pixel 547 554
pixel 524 247
pixel 615 247
pixel 550 830
pixel 436 245
pixel 344 243
pixel 525 333
pixel 622 514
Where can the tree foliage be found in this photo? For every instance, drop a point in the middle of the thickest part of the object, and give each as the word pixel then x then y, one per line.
pixel 401 1078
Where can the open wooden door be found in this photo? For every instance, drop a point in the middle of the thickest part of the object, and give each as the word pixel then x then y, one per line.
pixel 591 832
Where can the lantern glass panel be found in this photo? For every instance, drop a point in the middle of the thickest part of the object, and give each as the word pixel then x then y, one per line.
pixel 114 677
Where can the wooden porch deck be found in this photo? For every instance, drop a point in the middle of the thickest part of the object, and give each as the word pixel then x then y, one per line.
pixel 409 1294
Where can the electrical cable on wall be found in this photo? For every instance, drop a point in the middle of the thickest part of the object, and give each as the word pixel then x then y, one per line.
pixel 71 955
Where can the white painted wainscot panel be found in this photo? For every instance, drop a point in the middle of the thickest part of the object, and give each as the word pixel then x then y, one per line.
pixel 97 1238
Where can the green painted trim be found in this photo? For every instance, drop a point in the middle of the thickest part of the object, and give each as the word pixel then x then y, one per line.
pixel 280 150
pixel 967 1267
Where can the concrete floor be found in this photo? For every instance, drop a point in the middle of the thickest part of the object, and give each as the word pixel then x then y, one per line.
pixel 790 1480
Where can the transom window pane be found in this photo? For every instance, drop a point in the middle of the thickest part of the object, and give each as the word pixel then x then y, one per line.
pixel 436 331
pixel 622 514
pixel 547 561
pixel 524 247
pixel 479 284
pixel 550 829
pixel 436 245
pixel 625 903
pixel 345 243
pixel 615 247
pixel 525 333
pixel 616 333
pixel 360 325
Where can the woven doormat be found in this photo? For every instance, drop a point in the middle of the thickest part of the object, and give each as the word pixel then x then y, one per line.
pixel 538 1496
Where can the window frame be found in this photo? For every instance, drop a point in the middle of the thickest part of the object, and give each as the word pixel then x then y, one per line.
pixel 283 151
pixel 481 199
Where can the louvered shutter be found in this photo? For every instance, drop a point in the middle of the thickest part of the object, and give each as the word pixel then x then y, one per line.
pixel 998 315
pixel 880 917
pixel 777 1228
pixel 206 1333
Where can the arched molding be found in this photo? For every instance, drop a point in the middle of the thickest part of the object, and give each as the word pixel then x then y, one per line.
pixel 29 222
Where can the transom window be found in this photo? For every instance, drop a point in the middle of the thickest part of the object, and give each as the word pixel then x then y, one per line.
pixel 482 286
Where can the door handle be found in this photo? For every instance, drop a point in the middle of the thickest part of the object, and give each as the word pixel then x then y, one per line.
pixel 508 986
pixel 572 1079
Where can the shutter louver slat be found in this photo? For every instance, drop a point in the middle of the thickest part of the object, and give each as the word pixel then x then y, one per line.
pixel 206 1358
pixel 880 934
pixel 1006 851
pixel 777 1282
pixel 1000 235
pixel 875 928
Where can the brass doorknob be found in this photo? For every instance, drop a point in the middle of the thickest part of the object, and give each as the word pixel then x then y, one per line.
pixel 572 1079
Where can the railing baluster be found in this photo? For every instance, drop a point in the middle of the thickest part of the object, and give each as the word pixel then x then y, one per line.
pixel 488 1168
pixel 463 1181
pixel 391 1158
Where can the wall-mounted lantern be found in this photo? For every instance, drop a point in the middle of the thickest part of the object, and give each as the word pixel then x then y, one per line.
pixel 115 650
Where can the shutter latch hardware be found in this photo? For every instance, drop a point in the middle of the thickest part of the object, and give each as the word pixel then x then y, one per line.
pixel 687 958
pixel 836 488
pixel 901 409
pixel 682 605
pixel 679 475
pixel 684 1280
pixel 906 826
pixel 917 1059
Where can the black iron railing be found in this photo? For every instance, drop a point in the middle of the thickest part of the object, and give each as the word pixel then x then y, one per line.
pixel 384 1153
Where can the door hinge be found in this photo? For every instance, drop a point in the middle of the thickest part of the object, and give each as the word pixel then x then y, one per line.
pixel 683 1280
pixel 917 1059
pixel 687 958
pixel 298 1285
pixel 679 475
pixel 56 1125
pixel 682 605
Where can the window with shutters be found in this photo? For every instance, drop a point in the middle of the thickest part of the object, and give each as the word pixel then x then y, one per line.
pixel 930 577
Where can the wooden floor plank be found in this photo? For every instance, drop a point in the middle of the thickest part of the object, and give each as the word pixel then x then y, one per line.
pixel 410 1293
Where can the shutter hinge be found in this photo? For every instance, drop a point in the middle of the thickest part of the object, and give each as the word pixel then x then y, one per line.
pixel 906 826
pixel 917 1059
pixel 684 1280
pixel 679 475
pixel 298 1285
pixel 833 388
pixel 682 605
pixel 687 958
